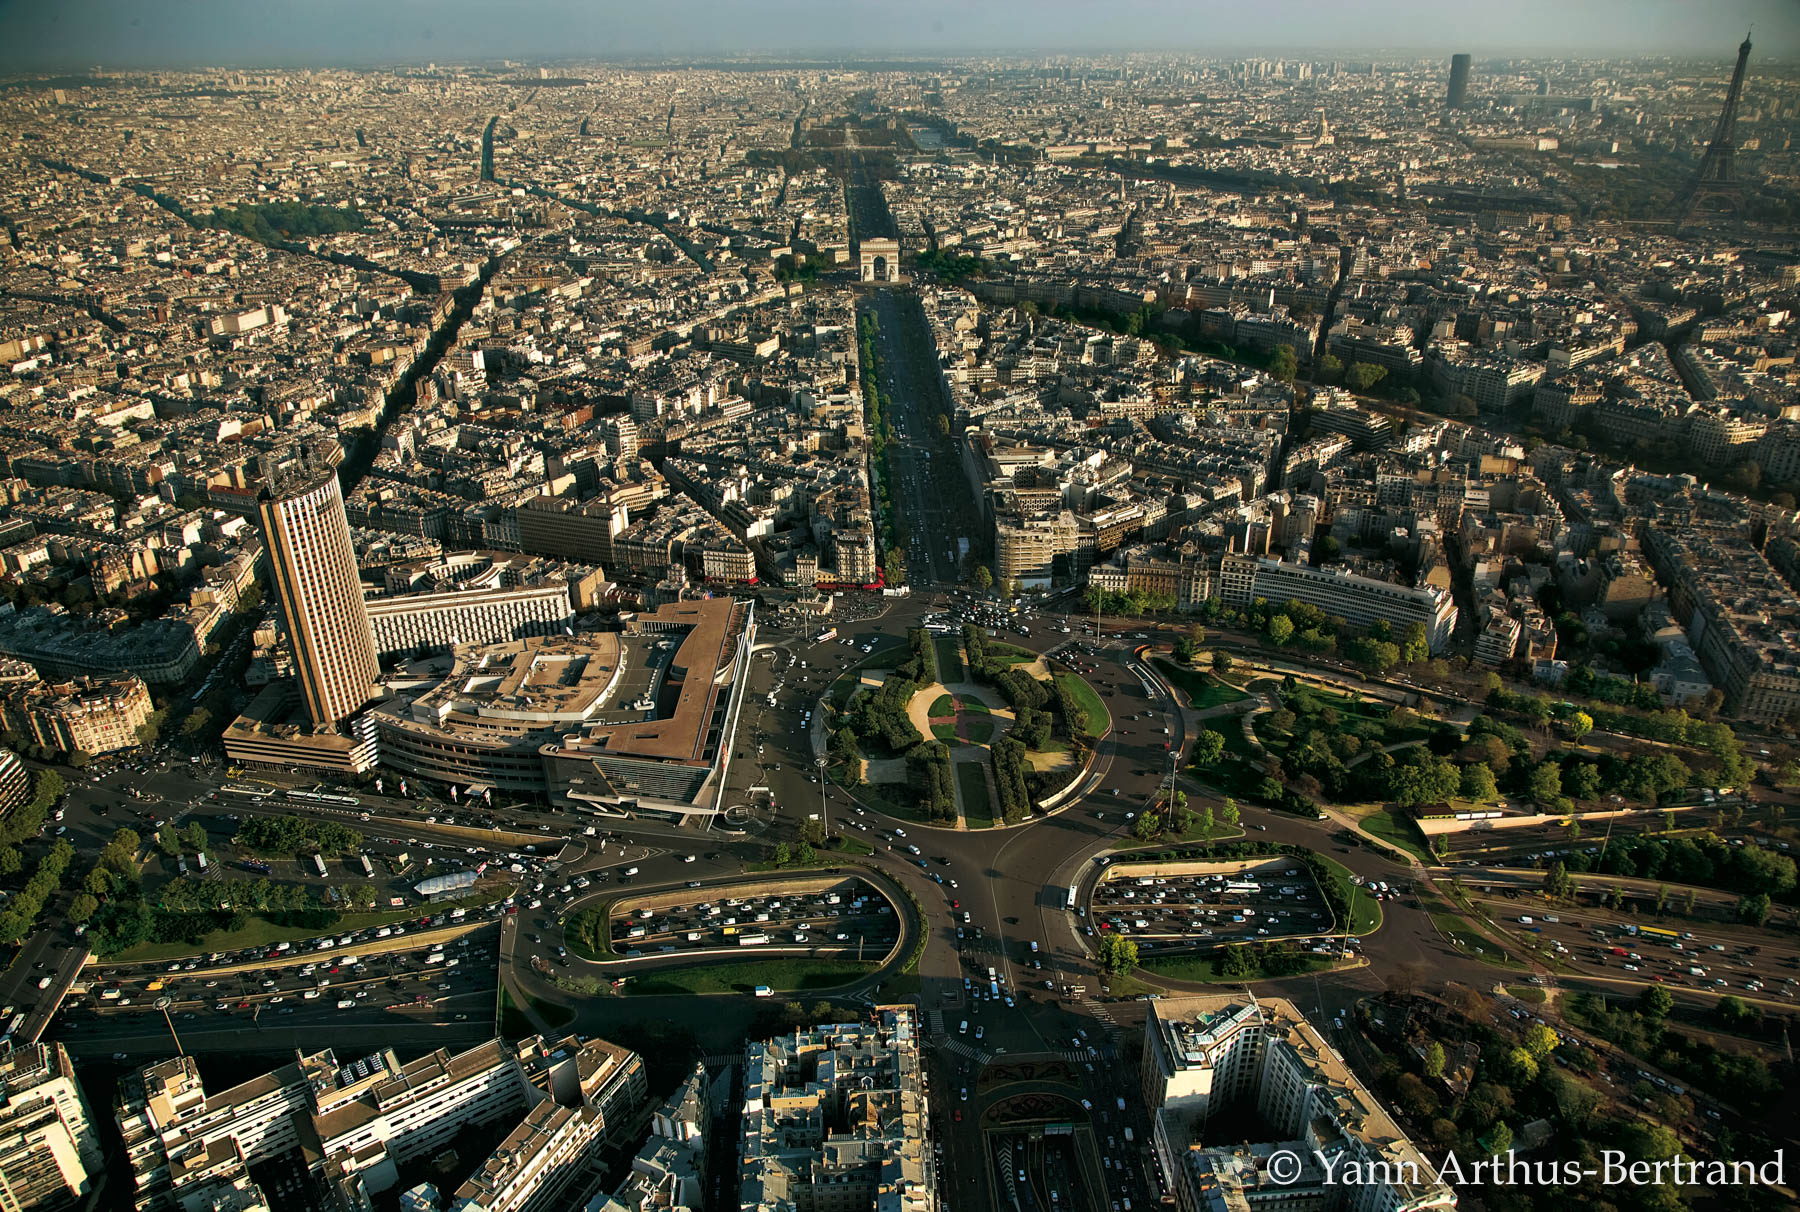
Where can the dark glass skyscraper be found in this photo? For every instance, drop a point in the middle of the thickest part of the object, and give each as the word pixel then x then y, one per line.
pixel 1459 81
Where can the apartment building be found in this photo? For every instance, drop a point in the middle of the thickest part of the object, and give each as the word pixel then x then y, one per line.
pixel 1231 1061
pixel 1358 600
pixel 49 1150
pixel 15 782
pixel 358 1121
pixel 1740 615
pixel 433 622
pixel 92 715
pixel 867 1077
pixel 1026 548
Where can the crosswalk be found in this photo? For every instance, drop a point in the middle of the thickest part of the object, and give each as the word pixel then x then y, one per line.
pixel 980 1056
pixel 935 1021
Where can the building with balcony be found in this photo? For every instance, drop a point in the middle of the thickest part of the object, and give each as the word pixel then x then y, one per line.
pixel 1228 1066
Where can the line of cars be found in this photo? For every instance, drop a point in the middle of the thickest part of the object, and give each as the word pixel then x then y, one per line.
pixel 825 919
pixel 1167 912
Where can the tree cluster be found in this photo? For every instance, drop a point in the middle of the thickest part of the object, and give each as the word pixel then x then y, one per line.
pixel 272 222
pixel 1741 1080
pixel 933 783
pixel 293 834
pixel 29 817
pixel 1702 860
pixel 1010 783
pixel 22 911
pixel 1255 961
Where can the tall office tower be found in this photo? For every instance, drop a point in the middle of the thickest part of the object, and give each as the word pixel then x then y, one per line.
pixel 48 1149
pixel 1459 81
pixel 1716 181
pixel 313 565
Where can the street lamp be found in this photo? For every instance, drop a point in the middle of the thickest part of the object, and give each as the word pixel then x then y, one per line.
pixel 824 807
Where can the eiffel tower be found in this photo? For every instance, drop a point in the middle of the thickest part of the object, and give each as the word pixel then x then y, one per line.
pixel 1716 181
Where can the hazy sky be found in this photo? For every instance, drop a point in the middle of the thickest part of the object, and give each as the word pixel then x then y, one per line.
pixel 55 34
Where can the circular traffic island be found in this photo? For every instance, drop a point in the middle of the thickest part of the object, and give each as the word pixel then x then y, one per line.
pixel 806 932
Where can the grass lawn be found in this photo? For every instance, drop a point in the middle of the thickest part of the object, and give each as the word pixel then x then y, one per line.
pixel 514 1023
pixel 1528 993
pixel 971 784
pixel 259 932
pixel 595 921
pixel 943 704
pixel 829 855
pixel 1093 708
pixel 980 731
pixel 1397 831
pixel 1478 945
pixel 841 690
pixel 974 706
pixel 895 799
pixel 1125 986
pixel 1202 689
pixel 1206 968
pixel 795 975
pixel 945 733
pixel 1010 654
pixel 1199 833
pixel 1365 915
pixel 950 662
pixel 892 656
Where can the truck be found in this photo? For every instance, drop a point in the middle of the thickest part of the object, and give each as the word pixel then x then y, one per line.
pixel 200 858
pixel 764 991
pixel 319 864
pixel 346 1004
pixel 368 868
pixel 256 865
pixel 752 940
pixel 1696 972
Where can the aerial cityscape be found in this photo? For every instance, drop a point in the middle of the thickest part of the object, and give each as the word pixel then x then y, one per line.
pixel 862 608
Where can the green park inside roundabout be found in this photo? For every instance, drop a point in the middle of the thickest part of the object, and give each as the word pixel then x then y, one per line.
pixel 960 731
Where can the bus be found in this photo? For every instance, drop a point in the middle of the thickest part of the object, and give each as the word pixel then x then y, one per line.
pixel 12 1028
pixel 323 797
pixel 200 858
pixel 830 633
pixel 255 793
pixel 752 940
pixel 1658 932
pixel 368 868
pixel 1072 897
pixel 319 863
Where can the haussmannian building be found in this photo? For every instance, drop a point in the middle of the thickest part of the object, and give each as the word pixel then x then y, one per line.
pixel 92 715
pixel 836 1120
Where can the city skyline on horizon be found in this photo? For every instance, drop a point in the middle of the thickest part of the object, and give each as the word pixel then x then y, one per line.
pixel 339 33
